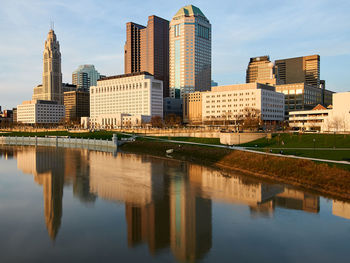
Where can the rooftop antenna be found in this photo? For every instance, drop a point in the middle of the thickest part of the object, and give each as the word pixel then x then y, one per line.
pixel 52 25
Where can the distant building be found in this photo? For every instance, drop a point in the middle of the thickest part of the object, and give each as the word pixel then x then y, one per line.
pixel 213 83
pixel 68 87
pixel 331 119
pixel 262 70
pixel 300 70
pixel 40 111
pixel 230 103
pixel 85 76
pixel 310 119
pixel 189 52
pixel 52 75
pixel 147 49
pixel 192 108
pixel 14 116
pixel 77 105
pixel 133 94
pixel 300 96
pixel 172 106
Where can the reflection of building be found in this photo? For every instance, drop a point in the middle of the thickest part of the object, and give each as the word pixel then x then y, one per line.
pixel 232 189
pixel 294 199
pixel 190 220
pixel 341 209
pixel 46 164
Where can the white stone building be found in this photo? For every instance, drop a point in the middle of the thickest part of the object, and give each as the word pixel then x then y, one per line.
pixel 40 111
pixel 231 102
pixel 135 94
pixel 335 119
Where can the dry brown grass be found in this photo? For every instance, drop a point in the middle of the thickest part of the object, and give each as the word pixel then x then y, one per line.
pixel 318 177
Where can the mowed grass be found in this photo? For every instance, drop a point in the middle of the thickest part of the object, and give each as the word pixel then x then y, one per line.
pixel 215 141
pixel 302 141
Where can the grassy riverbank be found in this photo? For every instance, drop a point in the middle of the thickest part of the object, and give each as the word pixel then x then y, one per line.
pixel 319 177
pixel 322 146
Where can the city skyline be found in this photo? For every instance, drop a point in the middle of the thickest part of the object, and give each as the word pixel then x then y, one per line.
pixel 237 36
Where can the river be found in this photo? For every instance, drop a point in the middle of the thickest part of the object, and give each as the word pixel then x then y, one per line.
pixel 71 205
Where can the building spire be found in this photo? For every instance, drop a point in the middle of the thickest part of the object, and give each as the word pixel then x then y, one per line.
pixel 52 25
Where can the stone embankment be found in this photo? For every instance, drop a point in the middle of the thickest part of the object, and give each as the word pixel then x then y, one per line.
pixel 67 142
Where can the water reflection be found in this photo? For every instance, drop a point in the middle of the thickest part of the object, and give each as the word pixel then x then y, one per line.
pixel 167 204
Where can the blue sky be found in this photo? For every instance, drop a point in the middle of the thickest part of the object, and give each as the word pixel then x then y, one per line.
pixel 93 32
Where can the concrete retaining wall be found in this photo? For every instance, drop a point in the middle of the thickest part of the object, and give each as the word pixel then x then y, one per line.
pixel 92 144
pixel 238 138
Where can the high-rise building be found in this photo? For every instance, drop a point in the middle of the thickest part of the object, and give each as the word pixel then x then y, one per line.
pixel 262 70
pixel 147 49
pixel 85 76
pixel 77 105
pixel 190 52
pixel 135 94
pixel 52 75
pixel 301 69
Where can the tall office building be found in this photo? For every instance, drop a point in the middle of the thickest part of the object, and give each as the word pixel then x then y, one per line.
pixel 262 70
pixel 301 69
pixel 85 76
pixel 52 75
pixel 77 105
pixel 190 52
pixel 147 49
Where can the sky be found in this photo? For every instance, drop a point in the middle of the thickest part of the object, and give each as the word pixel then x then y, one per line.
pixel 93 32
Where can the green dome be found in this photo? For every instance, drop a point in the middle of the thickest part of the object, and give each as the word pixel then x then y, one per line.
pixel 189 10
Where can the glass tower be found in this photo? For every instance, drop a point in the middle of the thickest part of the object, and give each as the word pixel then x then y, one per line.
pixel 190 52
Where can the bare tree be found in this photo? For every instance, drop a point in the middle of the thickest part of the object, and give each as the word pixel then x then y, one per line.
pixel 252 118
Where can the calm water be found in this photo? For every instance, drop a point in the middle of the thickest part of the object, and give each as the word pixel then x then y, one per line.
pixel 65 205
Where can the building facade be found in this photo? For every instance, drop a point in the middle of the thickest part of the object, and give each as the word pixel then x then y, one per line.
pixel 40 112
pixel 77 105
pixel 262 70
pixel 331 119
pixel 52 75
pixel 190 52
pixel 301 69
pixel 147 49
pixel 300 96
pixel 134 94
pixel 192 108
pixel 232 103
pixel 85 76
pixel 310 119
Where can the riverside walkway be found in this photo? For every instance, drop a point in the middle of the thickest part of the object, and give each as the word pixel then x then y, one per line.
pixel 250 149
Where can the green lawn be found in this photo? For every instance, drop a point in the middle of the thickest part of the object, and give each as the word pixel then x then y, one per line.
pixel 215 141
pixel 302 141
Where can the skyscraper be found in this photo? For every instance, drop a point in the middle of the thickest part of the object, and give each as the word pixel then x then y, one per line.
pixel 52 75
pixel 301 69
pixel 261 70
pixel 190 52
pixel 85 76
pixel 147 49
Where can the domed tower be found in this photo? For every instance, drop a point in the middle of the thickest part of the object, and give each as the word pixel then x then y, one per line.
pixel 189 52
pixel 52 75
